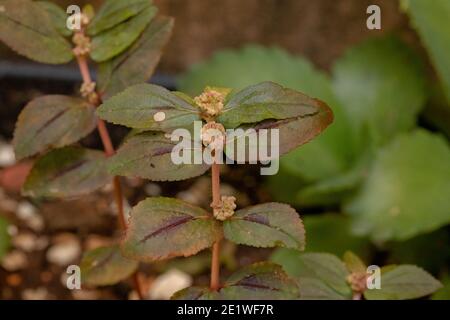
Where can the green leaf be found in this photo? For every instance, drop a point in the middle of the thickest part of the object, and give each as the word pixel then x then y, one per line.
pixel 322 272
pixel 266 100
pixel 331 233
pixel 106 266
pixel 403 282
pixel 266 225
pixel 137 64
pixel 148 155
pixel 58 16
pixel 4 237
pixel 27 28
pixel 315 289
pixel 51 122
pixel 430 251
pixel 354 263
pixel 112 42
pixel 430 18
pixel 114 12
pixel 260 281
pixel 381 84
pixel 162 228
pixel 444 292
pixel 333 189
pixel 137 105
pixel 403 195
pixel 67 172
pixel 293 132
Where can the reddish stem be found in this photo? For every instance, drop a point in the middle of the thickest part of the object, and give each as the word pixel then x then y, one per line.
pixel 109 151
pixel 215 259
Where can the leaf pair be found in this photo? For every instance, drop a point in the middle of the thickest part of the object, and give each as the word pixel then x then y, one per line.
pixel 260 281
pixel 162 228
pixel 57 121
pixel 324 276
pixel 263 106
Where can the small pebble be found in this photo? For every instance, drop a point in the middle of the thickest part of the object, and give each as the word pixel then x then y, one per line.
pixel 7 156
pixel 86 294
pixel 65 250
pixel 25 241
pixel 26 210
pixel 159 116
pixel 164 286
pixel 14 261
pixel 39 293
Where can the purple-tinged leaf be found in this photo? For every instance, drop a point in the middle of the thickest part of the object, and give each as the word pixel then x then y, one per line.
pixel 52 122
pixel 106 266
pixel 27 28
pixel 148 155
pixel 112 42
pixel 137 106
pixel 137 64
pixel 266 225
pixel 266 100
pixel 260 281
pixel 67 172
pixel 114 12
pixel 162 228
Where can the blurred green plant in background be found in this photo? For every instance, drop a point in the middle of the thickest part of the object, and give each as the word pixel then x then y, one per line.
pixel 385 177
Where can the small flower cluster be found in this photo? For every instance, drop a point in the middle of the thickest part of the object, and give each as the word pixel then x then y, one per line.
pixel 225 209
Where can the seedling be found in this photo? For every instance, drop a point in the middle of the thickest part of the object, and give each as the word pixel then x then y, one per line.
pixel 125 39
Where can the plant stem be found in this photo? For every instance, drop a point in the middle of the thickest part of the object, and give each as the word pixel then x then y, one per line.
pixel 215 260
pixel 109 151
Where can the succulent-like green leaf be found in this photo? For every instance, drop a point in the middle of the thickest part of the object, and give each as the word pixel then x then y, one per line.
pixel 27 28
pixel 430 251
pixel 403 282
pixel 51 122
pixel 430 18
pixel 105 266
pixel 114 12
pixel 137 64
pixel 260 281
pixel 339 237
pixel 381 85
pixel 148 155
pixel 162 228
pixel 112 42
pixel 4 237
pixel 58 17
pixel 444 292
pixel 266 100
pixel 67 172
pixel 335 188
pixel 136 107
pixel 266 225
pixel 404 193
pixel 293 132
pixel 327 270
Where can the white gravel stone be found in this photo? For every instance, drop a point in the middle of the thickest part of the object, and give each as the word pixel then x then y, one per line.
pixel 168 283
pixel 64 252
pixel 14 261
